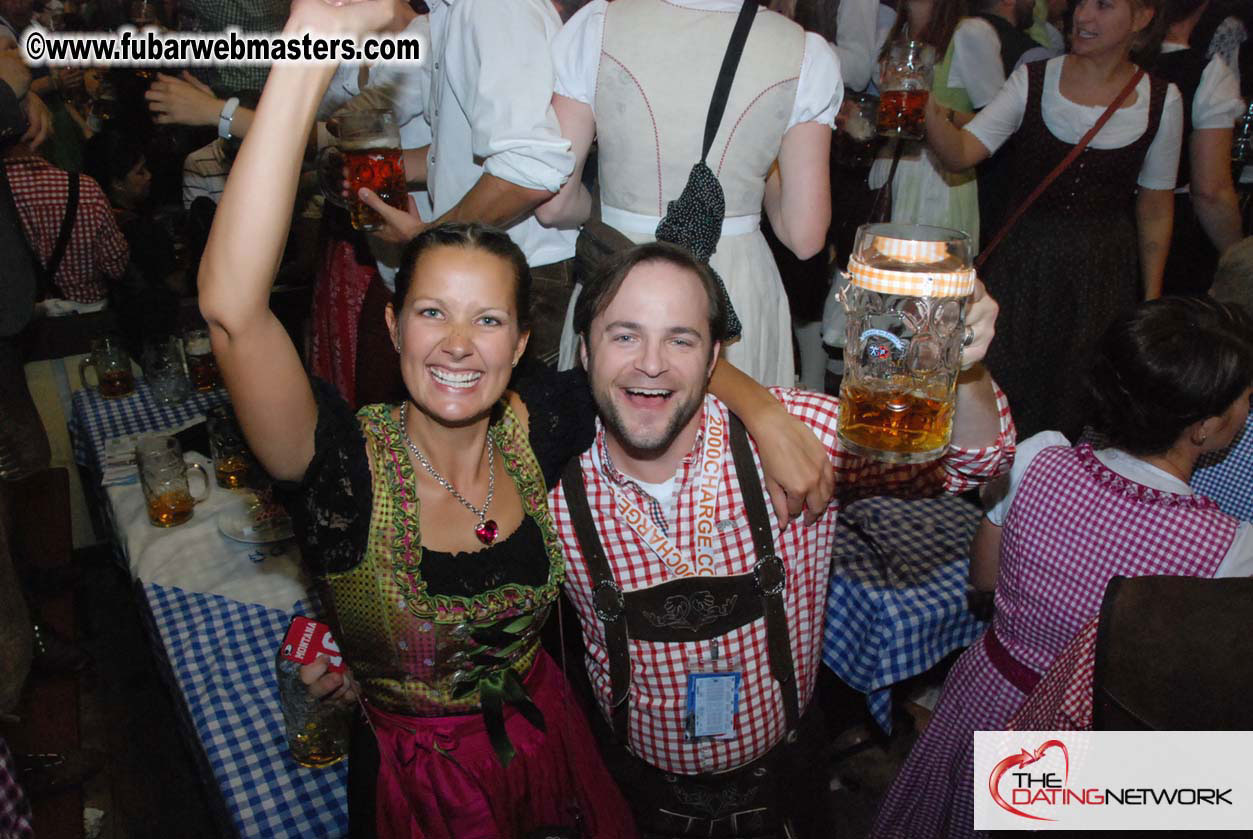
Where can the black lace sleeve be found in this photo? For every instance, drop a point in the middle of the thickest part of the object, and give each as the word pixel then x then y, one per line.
pixel 563 417
pixel 330 507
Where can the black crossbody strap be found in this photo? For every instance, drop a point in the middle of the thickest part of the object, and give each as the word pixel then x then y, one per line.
pixel 607 598
pixel 63 238
pixel 770 571
pixel 726 75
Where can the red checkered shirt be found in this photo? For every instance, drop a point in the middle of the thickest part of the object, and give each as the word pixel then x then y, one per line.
pixel 659 670
pixel 97 249
pixel 1062 701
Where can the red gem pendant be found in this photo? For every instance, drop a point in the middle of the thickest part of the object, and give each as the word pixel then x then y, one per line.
pixel 486 531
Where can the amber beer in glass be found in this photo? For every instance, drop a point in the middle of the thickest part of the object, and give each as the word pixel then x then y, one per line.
pixel 906 83
pixel 367 154
pixel 378 169
pixel 163 474
pixel 906 299
pixel 112 364
pixel 232 460
pixel 202 367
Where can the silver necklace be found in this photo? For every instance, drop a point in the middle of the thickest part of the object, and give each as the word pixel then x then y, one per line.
pixel 486 530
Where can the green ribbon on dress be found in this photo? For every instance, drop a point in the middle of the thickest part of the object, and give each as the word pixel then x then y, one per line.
pixel 496 690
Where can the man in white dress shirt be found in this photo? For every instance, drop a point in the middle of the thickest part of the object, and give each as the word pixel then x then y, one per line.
pixel 496 151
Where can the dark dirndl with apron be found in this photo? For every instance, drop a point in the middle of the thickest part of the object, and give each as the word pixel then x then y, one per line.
pixel 768 798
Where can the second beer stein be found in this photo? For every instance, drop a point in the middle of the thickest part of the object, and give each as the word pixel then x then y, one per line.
pixel 232 461
pixel 114 377
pixel 908 288
pixel 163 474
pixel 165 371
pixel 367 154
pixel 906 84
pixel 202 367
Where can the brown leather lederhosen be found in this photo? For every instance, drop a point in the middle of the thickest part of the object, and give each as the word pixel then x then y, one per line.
pixel 741 802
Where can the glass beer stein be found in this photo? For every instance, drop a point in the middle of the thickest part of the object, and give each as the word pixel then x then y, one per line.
pixel 112 365
pixel 367 154
pixel 906 84
pixel 908 288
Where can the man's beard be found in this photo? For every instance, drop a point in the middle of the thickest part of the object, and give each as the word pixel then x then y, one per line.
pixel 642 448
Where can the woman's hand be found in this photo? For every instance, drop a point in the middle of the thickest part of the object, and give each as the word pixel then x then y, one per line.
pixel 399 226
pixel 339 688
pixel 980 325
pixel 799 474
pixel 185 101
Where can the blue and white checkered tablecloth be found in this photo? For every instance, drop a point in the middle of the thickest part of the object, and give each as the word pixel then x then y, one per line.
pixel 95 420
pixel 222 655
pixel 896 604
pixel 1227 477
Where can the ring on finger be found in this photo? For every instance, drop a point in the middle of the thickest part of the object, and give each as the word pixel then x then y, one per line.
pixel 969 337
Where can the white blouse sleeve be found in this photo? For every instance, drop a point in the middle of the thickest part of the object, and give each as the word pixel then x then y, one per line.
pixel 998 494
pixel 576 53
pixel 856 43
pixel 820 88
pixel 998 121
pixel 1161 164
pixel 1239 559
pixel 1217 100
pixel 976 63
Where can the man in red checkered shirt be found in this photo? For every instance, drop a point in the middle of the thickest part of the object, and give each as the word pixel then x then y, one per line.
pixel 97 251
pixel 702 647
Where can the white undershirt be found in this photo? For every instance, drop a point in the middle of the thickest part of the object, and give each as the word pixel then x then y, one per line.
pixel 1068 121
pixel 1216 103
pixel 999 494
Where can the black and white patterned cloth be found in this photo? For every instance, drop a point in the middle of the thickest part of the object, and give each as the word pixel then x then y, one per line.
pixel 694 220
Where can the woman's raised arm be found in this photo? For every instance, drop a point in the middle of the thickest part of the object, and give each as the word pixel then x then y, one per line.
pixel 262 371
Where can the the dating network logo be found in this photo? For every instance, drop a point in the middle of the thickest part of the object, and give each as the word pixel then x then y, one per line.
pixel 1021 787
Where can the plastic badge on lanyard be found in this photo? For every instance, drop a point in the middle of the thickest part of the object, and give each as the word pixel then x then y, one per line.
pixel 713 696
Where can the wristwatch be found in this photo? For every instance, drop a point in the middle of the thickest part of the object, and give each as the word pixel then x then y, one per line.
pixel 225 118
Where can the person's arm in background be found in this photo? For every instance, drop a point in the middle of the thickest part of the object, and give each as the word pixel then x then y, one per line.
pixel 1155 216
pixel 1213 194
pixel 573 204
pixel 985 556
pixel 797 197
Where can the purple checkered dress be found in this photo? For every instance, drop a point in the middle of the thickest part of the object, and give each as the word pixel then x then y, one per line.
pixel 14 808
pixel 1073 525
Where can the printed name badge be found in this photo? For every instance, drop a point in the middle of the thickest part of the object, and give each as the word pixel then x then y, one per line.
pixel 307 639
pixel 713 697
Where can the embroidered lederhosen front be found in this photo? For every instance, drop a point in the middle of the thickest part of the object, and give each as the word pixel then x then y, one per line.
pixel 697 609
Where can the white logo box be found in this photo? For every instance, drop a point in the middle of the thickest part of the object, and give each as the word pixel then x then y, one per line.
pixel 1113 780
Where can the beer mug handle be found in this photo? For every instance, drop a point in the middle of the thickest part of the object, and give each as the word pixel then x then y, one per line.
pixel 208 484
pixel 330 169
pixel 83 364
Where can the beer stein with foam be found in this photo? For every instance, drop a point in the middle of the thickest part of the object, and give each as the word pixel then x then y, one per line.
pixel 906 298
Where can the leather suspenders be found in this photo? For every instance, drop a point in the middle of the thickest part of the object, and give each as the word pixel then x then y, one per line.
pixel 735 600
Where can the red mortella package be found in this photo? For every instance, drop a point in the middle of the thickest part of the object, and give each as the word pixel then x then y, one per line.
pixel 306 639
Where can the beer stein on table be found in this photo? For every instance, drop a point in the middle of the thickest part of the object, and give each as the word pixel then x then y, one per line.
pixel 112 364
pixel 202 367
pixel 165 371
pixel 906 298
pixel 367 154
pixel 906 84
pixel 232 461
pixel 164 476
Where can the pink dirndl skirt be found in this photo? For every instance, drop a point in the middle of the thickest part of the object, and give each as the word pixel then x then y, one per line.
pixel 440 779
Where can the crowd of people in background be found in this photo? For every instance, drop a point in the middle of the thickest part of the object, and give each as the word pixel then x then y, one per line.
pixel 616 245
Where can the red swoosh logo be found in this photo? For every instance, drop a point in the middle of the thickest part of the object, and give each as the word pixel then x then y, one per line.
pixel 1024 758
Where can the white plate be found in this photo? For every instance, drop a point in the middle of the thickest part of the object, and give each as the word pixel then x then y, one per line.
pixel 235 524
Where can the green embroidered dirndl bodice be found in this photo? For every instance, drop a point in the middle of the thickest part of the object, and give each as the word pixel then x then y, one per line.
pixel 423 654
